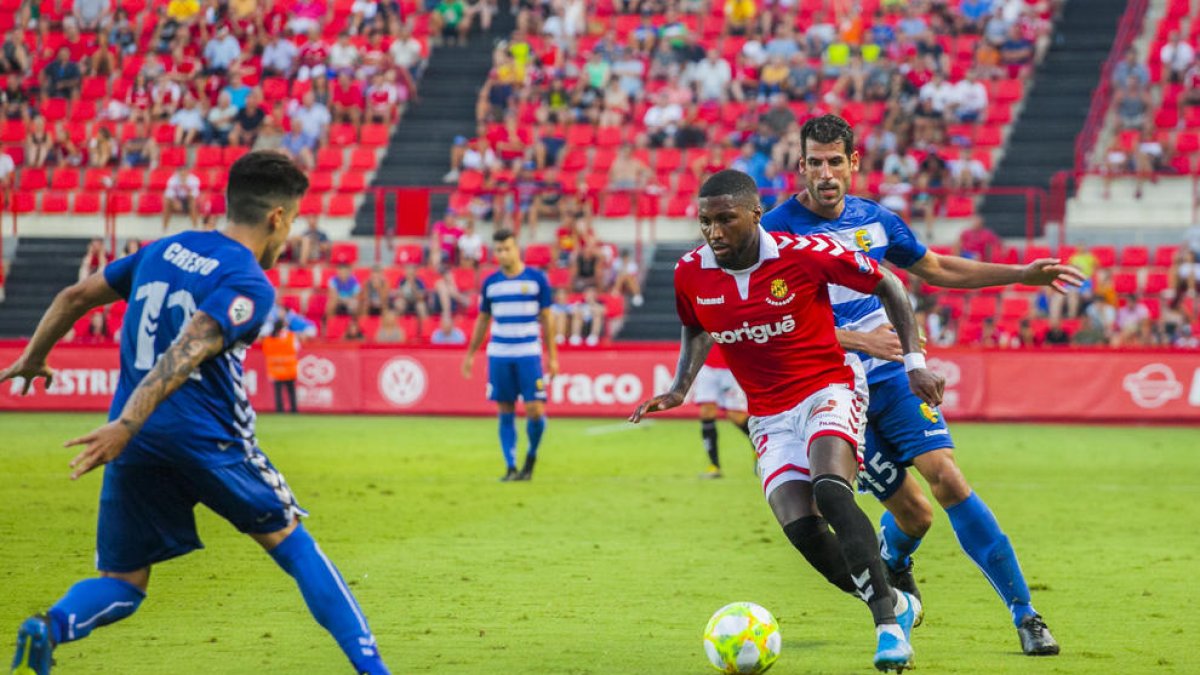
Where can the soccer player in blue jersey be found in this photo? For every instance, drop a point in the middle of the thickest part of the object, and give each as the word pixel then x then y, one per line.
pixel 181 430
pixel 515 302
pixel 902 431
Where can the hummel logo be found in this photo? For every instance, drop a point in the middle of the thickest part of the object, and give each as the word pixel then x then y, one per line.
pixel 720 300
pixel 861 583
pixel 224 446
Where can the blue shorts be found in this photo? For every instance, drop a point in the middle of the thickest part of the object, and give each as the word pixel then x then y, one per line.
pixel 899 428
pixel 513 376
pixel 147 511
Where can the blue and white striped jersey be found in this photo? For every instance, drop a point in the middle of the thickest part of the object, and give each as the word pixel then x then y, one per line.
pixel 514 304
pixel 866 226
pixel 208 421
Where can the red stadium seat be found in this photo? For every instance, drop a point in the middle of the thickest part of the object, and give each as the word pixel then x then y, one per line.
pixel 120 202
pixel 1156 282
pixel 617 205
pixel 344 253
pixel 375 135
pixel 1164 256
pixel 320 182
pixel 981 307
pixel 602 159
pixel 22 202
pixel 1135 256
pixel 580 135
pixel 681 206
pixel 275 88
pixel 559 277
pixel 538 255
pixel 1125 282
pixel 409 254
pixel 575 159
pixel 65 179
pixel 208 156
pixel 232 154
pixel 340 206
pixel 32 179
pixel 12 131
pixel 54 202
pixel 1034 252
pixel 93 88
pixel 98 179
pixel 131 179
pixel 150 204
pixel 173 157
pixel 317 303
pixel 342 135
pixel 54 109
pixel 363 159
pixel 86 203
pixel 1014 307
pixel 84 110
pixel 470 181
pixel 352 182
pixel 300 278
pixel 609 137
pixel 1106 256
pixel 667 160
pixel 157 178
pixel 329 159
pixel 312 204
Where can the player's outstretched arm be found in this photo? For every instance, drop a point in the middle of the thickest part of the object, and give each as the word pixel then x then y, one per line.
pixel 69 306
pixel 694 344
pixel 200 340
pixel 951 271
pixel 926 385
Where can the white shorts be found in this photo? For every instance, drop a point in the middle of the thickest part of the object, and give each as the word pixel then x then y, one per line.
pixel 781 441
pixel 717 385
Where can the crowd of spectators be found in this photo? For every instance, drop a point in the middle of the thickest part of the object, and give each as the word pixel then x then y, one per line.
pixel 738 77
pixel 1129 300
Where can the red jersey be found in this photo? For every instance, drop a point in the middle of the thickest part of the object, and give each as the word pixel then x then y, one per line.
pixel 716 359
pixel 773 323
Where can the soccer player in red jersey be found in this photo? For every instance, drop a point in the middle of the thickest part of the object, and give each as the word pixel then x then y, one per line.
pixel 763 299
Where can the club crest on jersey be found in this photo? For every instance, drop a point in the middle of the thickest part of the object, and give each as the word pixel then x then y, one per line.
pixel 863 239
pixel 930 414
pixel 864 263
pixel 779 293
pixel 241 310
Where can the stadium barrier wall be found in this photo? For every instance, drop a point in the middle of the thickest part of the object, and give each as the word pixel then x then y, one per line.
pixel 993 385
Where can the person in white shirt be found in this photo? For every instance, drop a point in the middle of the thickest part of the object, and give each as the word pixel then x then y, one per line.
pixel 406 52
pixel 343 56
pixel 221 52
pixel 470 246
pixel 182 195
pixel 312 118
pixel 662 119
pixel 969 100
pixel 1176 56
pixel 8 171
pixel 711 76
pixel 938 92
pixel 188 121
pixel 279 57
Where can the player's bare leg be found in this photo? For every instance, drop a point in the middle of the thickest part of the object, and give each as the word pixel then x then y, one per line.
pixel 984 542
pixel 834 466
pixel 325 592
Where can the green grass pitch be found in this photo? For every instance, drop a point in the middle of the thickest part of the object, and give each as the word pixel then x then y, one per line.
pixel 613 558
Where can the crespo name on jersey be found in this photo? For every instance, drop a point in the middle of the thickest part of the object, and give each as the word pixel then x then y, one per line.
pixel 759 333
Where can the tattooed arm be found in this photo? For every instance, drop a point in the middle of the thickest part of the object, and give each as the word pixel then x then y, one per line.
pixel 200 340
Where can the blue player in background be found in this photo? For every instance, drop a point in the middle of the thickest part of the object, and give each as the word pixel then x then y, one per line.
pixel 181 430
pixel 515 301
pixel 902 431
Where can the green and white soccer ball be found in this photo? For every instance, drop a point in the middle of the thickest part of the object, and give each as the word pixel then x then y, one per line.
pixel 742 637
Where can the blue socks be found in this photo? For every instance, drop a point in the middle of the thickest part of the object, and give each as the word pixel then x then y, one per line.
pixel 329 599
pixel 897 546
pixel 92 603
pixel 508 439
pixel 981 537
pixel 534 429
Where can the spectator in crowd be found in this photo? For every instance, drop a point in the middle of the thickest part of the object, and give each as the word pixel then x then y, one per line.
pixel 270 136
pixel 307 16
pixel 39 144
pixel 14 55
pixel 314 244
pixel 1184 276
pixel 188 121
pixel 15 102
pixel 1130 66
pixel 979 243
pixel 97 331
pixel 61 78
pixel 407 55
pixel 1056 335
pixel 587 269
pixel 384 98
pixel 279 56
pixel 390 331
pixel 895 193
pixel 221 52
pixel 313 120
pixel 140 150
pixel 448 298
pixel 103 150
pixel 354 331
pixel 281 351
pixel 295 145
pixel 377 296
pixel 411 298
pixel 587 317
pixel 968 100
pixel 1133 103
pixel 182 195
pixel 1091 334
pixel 348 99
pixel 662 120
pixel 447 22
pixel 447 333
pixel 8 173
pixel 94 260
pixel 165 98
pixel 628 172
pixel 561 313
pixel 345 293
pixel 443 244
pixel 131 246
pixel 221 119
pixel 313 57
pixel 105 58
pixel 1176 57
pixel 248 121
pixel 470 246
pixel 67 153
pixel 624 278
pixel 1149 158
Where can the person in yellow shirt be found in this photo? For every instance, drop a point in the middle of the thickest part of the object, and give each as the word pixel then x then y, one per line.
pixel 183 11
pixel 739 16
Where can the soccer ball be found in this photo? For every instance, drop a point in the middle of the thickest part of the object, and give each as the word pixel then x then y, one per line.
pixel 742 637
